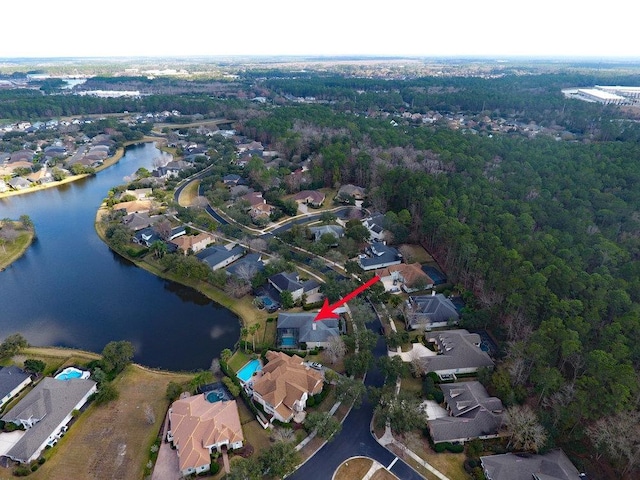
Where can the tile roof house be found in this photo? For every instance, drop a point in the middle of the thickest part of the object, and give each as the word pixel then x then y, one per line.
pixel 472 414
pixel 458 352
pixel 12 381
pixel 292 329
pixel 425 312
pixel 198 427
pixel 284 385
pixel 193 243
pixel 218 256
pixel 379 255
pixel 553 465
pixel 290 281
pixel 310 197
pixel 44 412
pixel 406 276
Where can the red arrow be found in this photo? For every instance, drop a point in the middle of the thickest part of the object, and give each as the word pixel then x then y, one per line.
pixel 327 310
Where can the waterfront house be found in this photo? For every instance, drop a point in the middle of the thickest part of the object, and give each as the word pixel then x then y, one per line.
pixel 218 256
pixel 12 381
pixel 294 329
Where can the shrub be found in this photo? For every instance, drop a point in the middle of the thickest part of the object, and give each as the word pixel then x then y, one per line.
pixel 311 402
pixel 215 468
pixel 21 471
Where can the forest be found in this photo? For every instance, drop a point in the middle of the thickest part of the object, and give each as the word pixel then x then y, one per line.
pixel 542 234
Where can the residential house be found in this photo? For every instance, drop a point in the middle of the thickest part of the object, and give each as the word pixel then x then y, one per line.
pixel 193 243
pixel 379 255
pixel 41 176
pixel 315 198
pixel 260 210
pixel 375 224
pixel 138 221
pixel 139 193
pixel 218 256
pixel 425 312
pixel 458 351
pixel 247 267
pixel 231 179
pixel 290 282
pixel 134 206
pixel 334 230
pixel 349 191
pixel 253 198
pixel 293 329
pixel 553 465
pixel 408 277
pixel 147 236
pixel 22 156
pixel 284 384
pixel 19 183
pixel 12 381
pixel 198 427
pixel 45 412
pixel 472 414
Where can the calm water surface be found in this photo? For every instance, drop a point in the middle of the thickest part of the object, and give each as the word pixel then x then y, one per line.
pixel 70 290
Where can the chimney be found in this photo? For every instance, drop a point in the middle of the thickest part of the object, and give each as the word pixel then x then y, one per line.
pixel 433 293
pixel 313 325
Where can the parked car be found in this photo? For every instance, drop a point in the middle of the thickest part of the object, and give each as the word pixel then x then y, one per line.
pixel 316 365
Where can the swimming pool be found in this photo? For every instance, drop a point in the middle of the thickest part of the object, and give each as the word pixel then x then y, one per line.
pixel 288 342
pixel 72 372
pixel 248 370
pixel 215 396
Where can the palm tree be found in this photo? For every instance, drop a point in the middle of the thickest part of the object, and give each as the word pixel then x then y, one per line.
pixel 159 248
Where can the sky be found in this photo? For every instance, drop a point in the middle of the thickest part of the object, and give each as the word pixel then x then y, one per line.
pixel 449 28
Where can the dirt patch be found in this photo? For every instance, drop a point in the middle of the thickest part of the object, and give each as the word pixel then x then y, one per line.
pixel 112 441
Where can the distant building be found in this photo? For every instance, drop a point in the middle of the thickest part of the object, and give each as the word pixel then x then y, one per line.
pixel 553 465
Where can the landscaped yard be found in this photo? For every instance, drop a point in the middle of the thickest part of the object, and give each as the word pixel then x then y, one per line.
pixel 11 251
pixel 113 440
pixel 418 254
pixel 451 464
pixel 353 469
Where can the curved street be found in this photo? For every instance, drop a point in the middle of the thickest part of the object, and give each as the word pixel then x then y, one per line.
pixel 355 438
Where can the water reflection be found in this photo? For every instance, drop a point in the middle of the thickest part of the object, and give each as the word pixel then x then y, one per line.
pixel 70 290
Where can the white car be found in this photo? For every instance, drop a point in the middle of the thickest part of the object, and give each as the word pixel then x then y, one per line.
pixel 316 365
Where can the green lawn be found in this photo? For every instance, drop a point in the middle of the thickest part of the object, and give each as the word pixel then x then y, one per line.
pixel 11 251
pixel 238 360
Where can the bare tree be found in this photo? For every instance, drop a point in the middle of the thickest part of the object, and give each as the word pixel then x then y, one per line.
pixel 618 437
pixel 407 253
pixel 336 349
pixel 257 244
pixel 524 430
pixel 285 435
pixel 246 271
pixel 163 229
pixel 237 287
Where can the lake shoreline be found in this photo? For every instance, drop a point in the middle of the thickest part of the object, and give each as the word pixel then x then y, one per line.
pixel 6 263
pixel 115 158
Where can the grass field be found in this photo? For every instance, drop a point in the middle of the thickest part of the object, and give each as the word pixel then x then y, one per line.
pixel 189 194
pixel 112 441
pixel 12 251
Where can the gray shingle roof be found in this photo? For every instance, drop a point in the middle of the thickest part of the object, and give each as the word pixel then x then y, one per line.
pixel 304 323
pixel 553 465
pixel 456 350
pixel 379 256
pixel 251 261
pixel 213 256
pixel 288 281
pixel 423 310
pixel 10 378
pixel 473 413
pixel 49 402
pixel 334 230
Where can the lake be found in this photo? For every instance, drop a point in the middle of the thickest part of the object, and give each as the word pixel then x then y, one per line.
pixel 71 290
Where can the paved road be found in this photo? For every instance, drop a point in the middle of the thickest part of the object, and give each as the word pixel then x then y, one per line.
pixel 356 438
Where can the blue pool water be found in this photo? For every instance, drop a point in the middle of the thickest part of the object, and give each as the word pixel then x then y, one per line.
pixel 288 342
pixel 213 397
pixel 267 302
pixel 69 373
pixel 248 370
